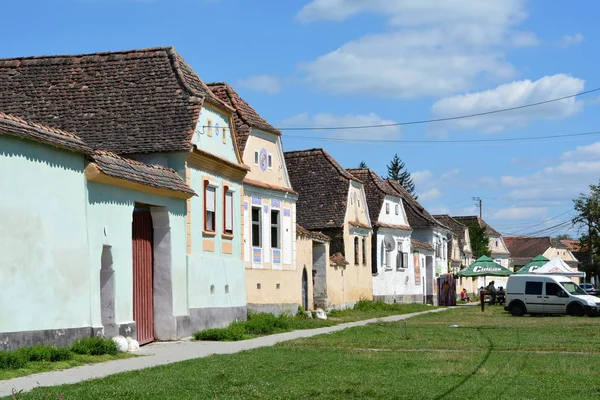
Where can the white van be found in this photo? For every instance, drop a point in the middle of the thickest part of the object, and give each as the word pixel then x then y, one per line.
pixel 548 294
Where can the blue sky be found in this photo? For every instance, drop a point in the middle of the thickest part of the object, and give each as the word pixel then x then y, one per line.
pixel 352 62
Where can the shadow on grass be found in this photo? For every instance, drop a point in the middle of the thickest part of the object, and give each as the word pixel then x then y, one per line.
pixel 489 350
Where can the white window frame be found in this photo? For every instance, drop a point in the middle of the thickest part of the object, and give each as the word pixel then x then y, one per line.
pixel 277 225
pixel 209 186
pixel 258 223
pixel 270 161
pixel 256 157
pixel 228 194
pixel 387 208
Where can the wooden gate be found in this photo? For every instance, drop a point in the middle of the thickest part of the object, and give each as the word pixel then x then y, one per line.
pixel 143 304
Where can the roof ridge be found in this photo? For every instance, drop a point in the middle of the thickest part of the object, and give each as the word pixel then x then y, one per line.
pixel 343 172
pixel 233 96
pixel 132 161
pixel 20 120
pixel 98 53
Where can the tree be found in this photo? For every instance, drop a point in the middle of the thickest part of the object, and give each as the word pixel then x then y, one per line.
pixel 588 220
pixel 564 236
pixel 480 241
pixel 362 165
pixel 397 172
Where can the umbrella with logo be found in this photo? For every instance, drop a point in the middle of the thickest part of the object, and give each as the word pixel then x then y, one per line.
pixel 485 266
pixel 532 265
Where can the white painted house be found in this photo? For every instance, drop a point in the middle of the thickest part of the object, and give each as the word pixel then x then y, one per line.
pixel 392 263
pixel 428 230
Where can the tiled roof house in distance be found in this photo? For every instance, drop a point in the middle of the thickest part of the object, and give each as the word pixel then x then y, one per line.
pixel 333 201
pixel 426 229
pixel 158 263
pixel 393 257
pixel 278 259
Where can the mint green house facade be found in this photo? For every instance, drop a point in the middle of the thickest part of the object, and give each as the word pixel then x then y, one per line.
pixel 128 219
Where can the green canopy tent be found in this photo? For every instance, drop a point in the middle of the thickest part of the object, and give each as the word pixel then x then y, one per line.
pixel 485 266
pixel 534 264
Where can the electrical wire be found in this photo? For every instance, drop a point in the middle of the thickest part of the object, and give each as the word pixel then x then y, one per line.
pixel 541 223
pixel 472 141
pixel 427 121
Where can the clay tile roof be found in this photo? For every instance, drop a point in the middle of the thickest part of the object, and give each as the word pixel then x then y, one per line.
pixel 530 246
pixel 473 218
pixel 573 245
pixel 416 244
pixel 322 186
pixel 18 127
pixel 300 230
pixel 417 216
pixel 138 172
pixel 375 189
pixel 338 260
pixel 245 117
pixel 457 227
pixel 135 101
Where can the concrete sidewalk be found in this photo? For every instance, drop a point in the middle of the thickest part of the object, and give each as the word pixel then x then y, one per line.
pixel 161 353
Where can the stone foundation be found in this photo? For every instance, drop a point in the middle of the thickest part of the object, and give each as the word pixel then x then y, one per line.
pixel 207 318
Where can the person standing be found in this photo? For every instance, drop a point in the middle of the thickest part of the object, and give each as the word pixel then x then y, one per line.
pixel 482 297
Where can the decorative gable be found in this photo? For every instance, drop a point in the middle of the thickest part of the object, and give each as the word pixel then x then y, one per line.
pixel 213 134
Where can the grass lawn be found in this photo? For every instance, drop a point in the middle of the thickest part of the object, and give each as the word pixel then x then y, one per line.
pixel 489 355
pixel 266 324
pixel 44 366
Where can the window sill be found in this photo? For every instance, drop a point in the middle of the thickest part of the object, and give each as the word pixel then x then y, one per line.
pixel 209 233
pixel 228 236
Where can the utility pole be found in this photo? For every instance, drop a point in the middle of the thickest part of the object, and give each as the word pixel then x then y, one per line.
pixel 478 199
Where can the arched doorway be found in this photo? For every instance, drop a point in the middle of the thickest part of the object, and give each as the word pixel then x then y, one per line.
pixel 304 289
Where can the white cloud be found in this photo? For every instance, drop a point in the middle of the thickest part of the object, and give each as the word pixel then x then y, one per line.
pixel 512 95
pixel 430 195
pixel 563 181
pixel 434 48
pixel 325 120
pixel 571 40
pixel 262 83
pixel 452 173
pixel 520 213
pixel 588 152
pixel 421 177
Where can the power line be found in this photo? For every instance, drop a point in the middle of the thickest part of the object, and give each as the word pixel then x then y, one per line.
pixel 543 222
pixel 529 138
pixel 427 121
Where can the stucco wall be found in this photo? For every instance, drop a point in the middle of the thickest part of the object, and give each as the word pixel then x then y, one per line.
pixel 110 214
pixel 269 144
pixel 395 284
pixel 216 277
pixel 282 288
pixel 213 133
pixel 355 283
pixel 43 239
pixel 564 254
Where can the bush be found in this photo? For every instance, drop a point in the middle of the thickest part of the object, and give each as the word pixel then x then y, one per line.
pixel 232 333
pixel 12 360
pixel 368 305
pixel 266 324
pixel 45 353
pixel 60 354
pixel 94 346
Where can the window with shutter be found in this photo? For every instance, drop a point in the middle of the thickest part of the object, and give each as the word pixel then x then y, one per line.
pixel 228 217
pixel 399 260
pixel 209 207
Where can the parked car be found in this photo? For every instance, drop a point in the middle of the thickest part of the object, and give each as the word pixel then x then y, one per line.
pixel 588 287
pixel 547 294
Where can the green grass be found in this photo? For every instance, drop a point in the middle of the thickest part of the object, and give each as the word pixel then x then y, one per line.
pixel 490 355
pixel 262 324
pixel 40 358
pixel 77 360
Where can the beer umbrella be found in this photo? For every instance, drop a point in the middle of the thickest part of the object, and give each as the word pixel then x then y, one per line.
pixel 485 266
